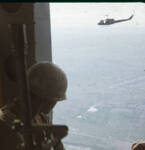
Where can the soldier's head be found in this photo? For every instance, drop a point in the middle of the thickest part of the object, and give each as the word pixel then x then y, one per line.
pixel 48 85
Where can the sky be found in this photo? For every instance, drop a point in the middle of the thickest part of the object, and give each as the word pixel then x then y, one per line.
pixel 74 13
pixel 113 67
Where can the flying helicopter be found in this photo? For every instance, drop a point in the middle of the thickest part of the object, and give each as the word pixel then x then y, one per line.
pixel 25 32
pixel 109 21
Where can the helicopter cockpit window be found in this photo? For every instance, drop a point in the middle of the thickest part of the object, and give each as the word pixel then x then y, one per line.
pixel 101 47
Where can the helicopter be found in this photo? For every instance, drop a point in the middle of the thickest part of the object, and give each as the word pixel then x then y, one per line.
pixel 110 21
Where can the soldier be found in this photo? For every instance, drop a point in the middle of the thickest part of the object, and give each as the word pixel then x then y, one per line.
pixel 48 84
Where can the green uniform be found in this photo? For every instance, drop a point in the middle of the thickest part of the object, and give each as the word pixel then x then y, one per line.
pixel 10 139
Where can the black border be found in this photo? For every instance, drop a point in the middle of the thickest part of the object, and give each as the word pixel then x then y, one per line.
pixel 75 1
